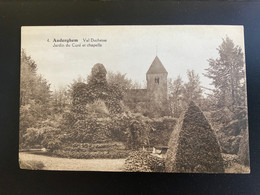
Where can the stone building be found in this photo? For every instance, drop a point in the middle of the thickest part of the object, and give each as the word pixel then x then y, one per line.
pixel 156 93
pixel 156 78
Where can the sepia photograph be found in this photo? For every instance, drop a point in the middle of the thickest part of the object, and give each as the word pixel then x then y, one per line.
pixel 140 98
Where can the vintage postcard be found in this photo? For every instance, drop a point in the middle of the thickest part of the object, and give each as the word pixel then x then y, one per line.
pixel 134 99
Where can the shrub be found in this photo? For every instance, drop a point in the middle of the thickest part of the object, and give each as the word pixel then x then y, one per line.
pixel 193 145
pixel 142 161
pixel 230 135
pixel 91 130
pixel 33 137
pixel 86 151
pixel 161 131
pixel 156 164
pixel 51 143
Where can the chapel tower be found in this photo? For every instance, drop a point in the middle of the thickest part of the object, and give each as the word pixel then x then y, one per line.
pixel 156 78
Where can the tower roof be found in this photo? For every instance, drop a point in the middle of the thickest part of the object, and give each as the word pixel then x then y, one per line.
pixel 156 67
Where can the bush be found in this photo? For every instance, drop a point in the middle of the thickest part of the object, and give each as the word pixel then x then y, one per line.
pixel 86 151
pixel 33 137
pixel 161 131
pixel 193 145
pixel 90 130
pixel 51 143
pixel 142 161
pixel 230 135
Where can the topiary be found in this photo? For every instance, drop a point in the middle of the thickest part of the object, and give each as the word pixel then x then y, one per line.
pixel 193 146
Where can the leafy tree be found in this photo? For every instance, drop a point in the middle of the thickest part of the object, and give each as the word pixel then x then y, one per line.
pixel 28 78
pixel 192 89
pixel 227 74
pixel 228 99
pixel 120 80
pixel 35 96
pixel 176 96
pixel 60 100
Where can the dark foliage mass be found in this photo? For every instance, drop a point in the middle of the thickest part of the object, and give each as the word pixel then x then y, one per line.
pixel 97 117
pixel 193 145
pixel 142 161
pixel 98 89
pixel 92 150
pixel 230 135
pixel 161 131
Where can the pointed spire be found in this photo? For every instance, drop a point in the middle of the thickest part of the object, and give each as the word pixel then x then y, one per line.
pixel 156 67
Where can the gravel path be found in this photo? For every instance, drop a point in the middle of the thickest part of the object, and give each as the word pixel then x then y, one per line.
pixel 55 163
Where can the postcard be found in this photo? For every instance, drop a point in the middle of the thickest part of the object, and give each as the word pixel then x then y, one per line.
pixel 140 98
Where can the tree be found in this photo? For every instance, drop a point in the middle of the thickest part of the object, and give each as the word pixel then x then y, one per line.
pixel 120 80
pixel 227 74
pixel 176 96
pixel 28 78
pixel 60 100
pixel 192 89
pixel 229 112
pixel 33 86
pixel 35 96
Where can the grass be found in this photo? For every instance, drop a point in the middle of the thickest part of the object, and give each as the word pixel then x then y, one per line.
pixel 66 164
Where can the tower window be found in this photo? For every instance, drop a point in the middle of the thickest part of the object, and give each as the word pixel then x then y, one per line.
pixel 156 80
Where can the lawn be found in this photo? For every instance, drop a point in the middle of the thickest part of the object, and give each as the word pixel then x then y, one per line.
pixel 54 163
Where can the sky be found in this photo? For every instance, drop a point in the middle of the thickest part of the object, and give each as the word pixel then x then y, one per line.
pixel 127 49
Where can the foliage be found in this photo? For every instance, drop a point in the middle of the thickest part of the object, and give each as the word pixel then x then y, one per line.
pixel 90 150
pixel 176 96
pixel 161 131
pixel 96 114
pixel 142 161
pixel 60 101
pixel 180 94
pixel 35 98
pixel 98 88
pixel 227 74
pixel 47 134
pixel 91 130
pixel 233 164
pixel 193 146
pixel 228 100
pixel 119 80
pixel 192 89
pixel 132 129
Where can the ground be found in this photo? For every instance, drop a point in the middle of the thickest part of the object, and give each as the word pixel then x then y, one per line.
pixel 54 163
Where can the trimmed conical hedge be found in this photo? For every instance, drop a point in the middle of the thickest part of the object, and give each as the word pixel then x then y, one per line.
pixel 193 146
